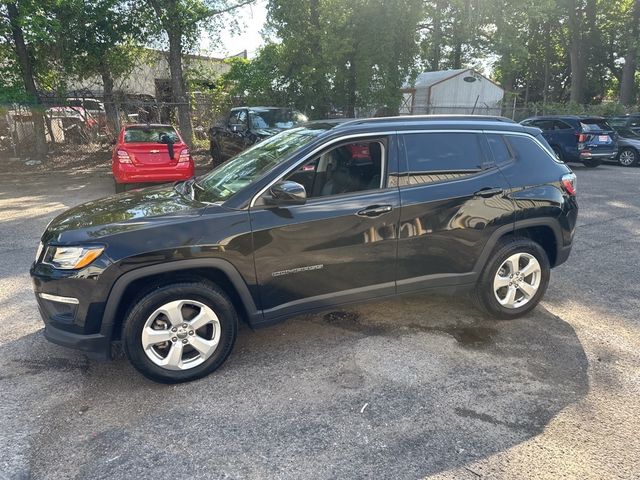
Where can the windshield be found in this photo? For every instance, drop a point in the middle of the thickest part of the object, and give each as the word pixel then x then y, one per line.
pixel 235 174
pixel 626 132
pixel 149 134
pixel 276 118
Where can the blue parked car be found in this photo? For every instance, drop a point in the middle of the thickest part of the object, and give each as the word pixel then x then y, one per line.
pixel 575 138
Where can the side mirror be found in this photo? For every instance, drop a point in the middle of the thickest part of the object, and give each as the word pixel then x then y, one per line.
pixel 288 193
pixel 238 127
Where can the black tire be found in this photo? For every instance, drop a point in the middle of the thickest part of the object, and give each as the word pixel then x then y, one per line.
pixel 484 295
pixel 630 156
pixel 199 291
pixel 591 162
pixel 120 187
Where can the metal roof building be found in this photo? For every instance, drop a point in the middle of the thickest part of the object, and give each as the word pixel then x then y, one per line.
pixel 461 91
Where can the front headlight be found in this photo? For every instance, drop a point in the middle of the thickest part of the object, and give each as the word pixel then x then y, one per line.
pixel 39 251
pixel 71 258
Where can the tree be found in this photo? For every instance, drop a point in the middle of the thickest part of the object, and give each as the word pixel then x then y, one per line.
pixel 627 83
pixel 345 54
pixel 16 18
pixel 103 39
pixel 182 21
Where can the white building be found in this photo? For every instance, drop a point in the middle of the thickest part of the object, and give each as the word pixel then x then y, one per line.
pixel 462 91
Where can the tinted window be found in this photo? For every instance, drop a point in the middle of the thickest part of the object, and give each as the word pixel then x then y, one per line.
pixel 560 125
pixel 443 152
pixel 499 149
pixel 543 124
pixel 526 148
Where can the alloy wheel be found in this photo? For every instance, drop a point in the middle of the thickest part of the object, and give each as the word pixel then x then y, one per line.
pixel 181 334
pixel 627 158
pixel 517 280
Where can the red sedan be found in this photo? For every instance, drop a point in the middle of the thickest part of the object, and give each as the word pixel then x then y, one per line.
pixel 150 153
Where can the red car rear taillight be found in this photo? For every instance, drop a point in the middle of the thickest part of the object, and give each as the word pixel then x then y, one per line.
pixel 184 156
pixel 582 137
pixel 123 156
pixel 569 183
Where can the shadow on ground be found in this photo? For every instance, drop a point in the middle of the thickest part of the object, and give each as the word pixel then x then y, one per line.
pixel 399 389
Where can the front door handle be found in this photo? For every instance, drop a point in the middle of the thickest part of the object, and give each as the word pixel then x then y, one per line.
pixel 489 192
pixel 374 211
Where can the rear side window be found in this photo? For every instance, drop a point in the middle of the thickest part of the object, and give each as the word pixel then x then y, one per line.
pixel 501 152
pixel 524 147
pixel 437 157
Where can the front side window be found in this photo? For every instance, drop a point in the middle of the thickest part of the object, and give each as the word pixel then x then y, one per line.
pixel 436 157
pixel 347 168
pixel 237 173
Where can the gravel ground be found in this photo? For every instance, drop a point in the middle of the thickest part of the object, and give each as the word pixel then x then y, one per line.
pixel 411 388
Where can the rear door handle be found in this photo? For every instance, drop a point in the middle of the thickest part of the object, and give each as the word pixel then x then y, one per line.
pixel 374 211
pixel 489 192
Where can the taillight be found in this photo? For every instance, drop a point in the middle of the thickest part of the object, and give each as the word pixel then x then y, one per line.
pixel 569 183
pixel 184 156
pixel 582 137
pixel 123 156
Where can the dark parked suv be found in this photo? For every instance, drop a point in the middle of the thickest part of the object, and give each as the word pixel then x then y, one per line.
pixel 245 126
pixel 316 216
pixel 574 138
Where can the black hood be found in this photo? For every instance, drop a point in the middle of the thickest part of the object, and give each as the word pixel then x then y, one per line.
pixel 120 213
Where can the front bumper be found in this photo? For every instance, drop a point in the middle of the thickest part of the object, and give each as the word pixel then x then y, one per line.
pixel 71 304
pixel 96 346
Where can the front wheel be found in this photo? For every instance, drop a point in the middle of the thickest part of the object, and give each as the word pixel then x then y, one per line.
pixel 628 157
pixel 514 280
pixel 180 332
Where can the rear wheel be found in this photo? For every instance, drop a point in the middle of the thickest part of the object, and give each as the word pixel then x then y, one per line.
pixel 628 157
pixel 180 332
pixel 591 162
pixel 514 280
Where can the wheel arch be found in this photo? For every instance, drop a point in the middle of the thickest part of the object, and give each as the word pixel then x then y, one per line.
pixel 145 279
pixel 545 232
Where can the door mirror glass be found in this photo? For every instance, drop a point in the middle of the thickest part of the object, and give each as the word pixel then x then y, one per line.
pixel 288 193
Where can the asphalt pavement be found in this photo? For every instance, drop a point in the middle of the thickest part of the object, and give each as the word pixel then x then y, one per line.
pixel 417 387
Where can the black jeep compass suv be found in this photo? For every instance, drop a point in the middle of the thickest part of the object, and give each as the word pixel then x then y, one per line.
pixel 316 216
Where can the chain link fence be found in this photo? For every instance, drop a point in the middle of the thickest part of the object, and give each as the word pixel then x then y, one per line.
pixel 84 120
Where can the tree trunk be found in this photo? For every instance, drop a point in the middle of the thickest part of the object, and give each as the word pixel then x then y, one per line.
pixel 576 53
pixel 436 37
pixel 26 69
pixel 351 90
pixel 322 107
pixel 627 84
pixel 109 104
pixel 178 89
